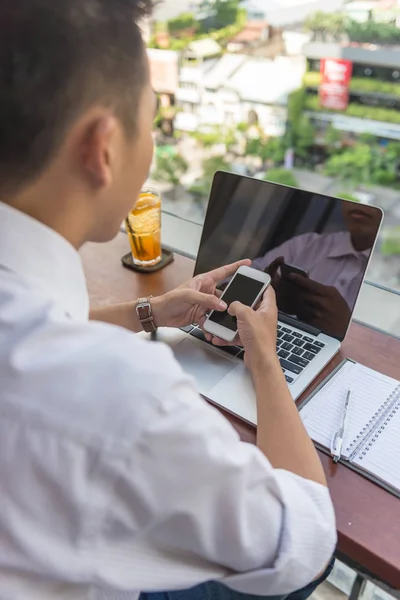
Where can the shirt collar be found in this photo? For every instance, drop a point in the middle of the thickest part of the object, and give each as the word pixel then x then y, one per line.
pixel 344 247
pixel 44 259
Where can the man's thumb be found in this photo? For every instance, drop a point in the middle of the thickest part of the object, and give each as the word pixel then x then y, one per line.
pixel 235 308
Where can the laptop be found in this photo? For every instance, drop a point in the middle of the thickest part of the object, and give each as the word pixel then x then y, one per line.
pixel 327 242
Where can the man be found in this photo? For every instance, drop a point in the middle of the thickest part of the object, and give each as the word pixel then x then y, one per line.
pixel 335 263
pixel 116 477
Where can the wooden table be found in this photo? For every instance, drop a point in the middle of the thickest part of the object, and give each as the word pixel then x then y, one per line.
pixel 368 518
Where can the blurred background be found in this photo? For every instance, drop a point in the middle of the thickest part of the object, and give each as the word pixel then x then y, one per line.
pixel 280 90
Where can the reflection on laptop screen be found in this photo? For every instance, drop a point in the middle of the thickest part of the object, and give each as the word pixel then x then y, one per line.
pixel 315 247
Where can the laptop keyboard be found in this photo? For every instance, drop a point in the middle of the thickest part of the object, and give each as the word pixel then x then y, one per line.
pixel 295 350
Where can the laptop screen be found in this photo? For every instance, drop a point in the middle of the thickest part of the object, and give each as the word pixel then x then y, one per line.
pixel 315 247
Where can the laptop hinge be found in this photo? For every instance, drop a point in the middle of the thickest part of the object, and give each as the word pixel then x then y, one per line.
pixel 298 324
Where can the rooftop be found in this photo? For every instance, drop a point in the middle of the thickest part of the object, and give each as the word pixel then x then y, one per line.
pixel 251 32
pixel 223 69
pixel 205 48
pixel 370 54
pixel 276 79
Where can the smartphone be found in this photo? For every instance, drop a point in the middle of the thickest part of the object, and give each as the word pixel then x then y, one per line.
pixel 287 270
pixel 246 286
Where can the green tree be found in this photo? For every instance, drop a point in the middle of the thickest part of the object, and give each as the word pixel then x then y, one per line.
pixel 183 21
pixel 170 167
pixel 243 127
pixel 351 166
pixel 210 166
pixel 228 138
pixel 213 164
pixel 282 176
pixel 324 26
pixel 372 32
pixel 255 147
pixel 304 136
pixel 274 150
pixel 347 196
pixel 300 133
pixel 332 140
pixel 385 163
pixel 221 13
pixel 207 139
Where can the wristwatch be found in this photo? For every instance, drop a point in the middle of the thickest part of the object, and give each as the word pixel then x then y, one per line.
pixel 145 314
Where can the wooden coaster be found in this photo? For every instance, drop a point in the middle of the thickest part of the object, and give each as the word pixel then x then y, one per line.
pixel 166 259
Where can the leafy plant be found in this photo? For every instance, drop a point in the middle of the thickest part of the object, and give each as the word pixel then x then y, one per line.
pixel 170 168
pixel 221 13
pixel 351 165
pixel 332 26
pixel 312 79
pixel 274 149
pixel 243 127
pixel 213 164
pixel 391 241
pixel 282 176
pixel 372 32
pixel 362 111
pixel 324 26
pixel 210 166
pixel 200 189
pixel 347 196
pixel 182 21
pixel 300 133
pixel 333 139
pixel 207 139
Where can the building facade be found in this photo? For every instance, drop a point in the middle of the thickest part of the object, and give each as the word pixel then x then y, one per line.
pixel 374 88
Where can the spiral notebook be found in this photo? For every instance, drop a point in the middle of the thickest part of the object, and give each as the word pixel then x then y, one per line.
pixel 371 442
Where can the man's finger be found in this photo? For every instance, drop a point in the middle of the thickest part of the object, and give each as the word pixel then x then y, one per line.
pixel 274 266
pixel 207 301
pixel 223 272
pixel 308 284
pixel 269 299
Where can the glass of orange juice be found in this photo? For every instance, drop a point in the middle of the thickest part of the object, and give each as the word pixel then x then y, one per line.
pixel 143 225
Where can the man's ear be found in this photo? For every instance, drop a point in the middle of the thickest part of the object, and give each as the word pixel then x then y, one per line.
pixel 97 149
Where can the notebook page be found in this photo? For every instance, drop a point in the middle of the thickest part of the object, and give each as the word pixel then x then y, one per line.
pixel 382 457
pixel 323 414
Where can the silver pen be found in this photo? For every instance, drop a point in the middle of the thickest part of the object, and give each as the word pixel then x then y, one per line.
pixel 337 442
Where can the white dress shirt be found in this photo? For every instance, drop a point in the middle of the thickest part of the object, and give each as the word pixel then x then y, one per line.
pixel 329 258
pixel 115 476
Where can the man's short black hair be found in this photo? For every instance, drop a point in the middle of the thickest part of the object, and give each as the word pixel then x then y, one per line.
pixel 57 58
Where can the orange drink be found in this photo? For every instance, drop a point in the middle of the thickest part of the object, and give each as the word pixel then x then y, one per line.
pixel 143 225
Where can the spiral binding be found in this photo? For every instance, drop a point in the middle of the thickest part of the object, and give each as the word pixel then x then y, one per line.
pixel 390 416
pixel 378 422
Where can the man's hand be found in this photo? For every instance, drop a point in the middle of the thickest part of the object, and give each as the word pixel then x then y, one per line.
pixel 321 306
pixel 272 270
pixel 190 302
pixel 257 331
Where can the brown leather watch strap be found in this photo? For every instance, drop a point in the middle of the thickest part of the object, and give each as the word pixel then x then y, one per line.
pixel 145 314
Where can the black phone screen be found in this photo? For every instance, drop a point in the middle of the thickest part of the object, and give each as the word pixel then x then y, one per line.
pixel 242 289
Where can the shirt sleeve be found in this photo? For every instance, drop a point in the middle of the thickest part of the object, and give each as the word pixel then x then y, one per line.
pixel 193 503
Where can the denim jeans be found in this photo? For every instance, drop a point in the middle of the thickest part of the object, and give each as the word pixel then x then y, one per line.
pixel 213 590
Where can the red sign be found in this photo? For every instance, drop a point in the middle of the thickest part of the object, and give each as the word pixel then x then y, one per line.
pixel 335 81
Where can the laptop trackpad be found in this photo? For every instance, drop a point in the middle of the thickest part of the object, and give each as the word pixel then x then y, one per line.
pixel 204 364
